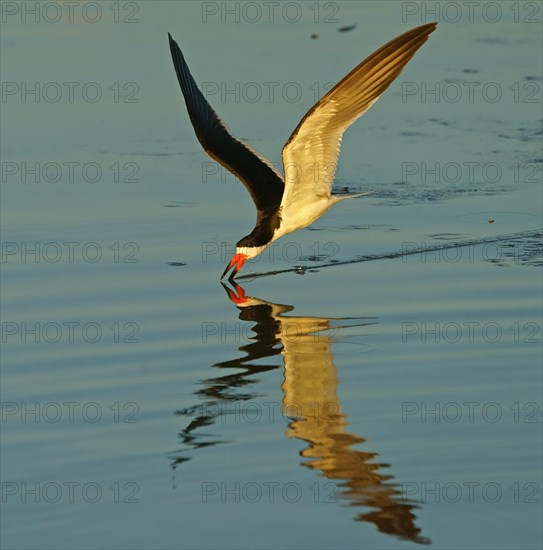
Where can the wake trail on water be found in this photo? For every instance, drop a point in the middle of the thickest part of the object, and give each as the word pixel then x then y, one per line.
pixel 413 250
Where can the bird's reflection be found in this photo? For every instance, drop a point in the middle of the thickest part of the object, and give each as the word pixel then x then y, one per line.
pixel 311 403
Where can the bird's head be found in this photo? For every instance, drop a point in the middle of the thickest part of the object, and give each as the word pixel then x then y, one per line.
pixel 243 253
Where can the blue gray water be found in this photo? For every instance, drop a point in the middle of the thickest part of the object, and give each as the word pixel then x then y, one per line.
pixel 383 390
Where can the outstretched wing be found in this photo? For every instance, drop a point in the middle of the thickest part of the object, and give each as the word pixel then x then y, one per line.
pixel 310 155
pixel 255 171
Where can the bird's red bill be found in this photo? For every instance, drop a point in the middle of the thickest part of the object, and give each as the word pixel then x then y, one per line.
pixel 237 263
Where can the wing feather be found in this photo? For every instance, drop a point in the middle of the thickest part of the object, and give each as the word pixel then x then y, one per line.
pixel 311 153
pixel 264 183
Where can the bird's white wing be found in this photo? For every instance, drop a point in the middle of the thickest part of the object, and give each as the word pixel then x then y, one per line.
pixel 310 155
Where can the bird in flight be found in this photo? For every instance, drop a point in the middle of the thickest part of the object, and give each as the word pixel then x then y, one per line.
pixel 287 203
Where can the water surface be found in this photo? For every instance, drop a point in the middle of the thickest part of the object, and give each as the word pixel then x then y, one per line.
pixel 389 400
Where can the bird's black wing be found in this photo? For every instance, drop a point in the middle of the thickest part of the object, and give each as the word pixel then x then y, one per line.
pixel 255 171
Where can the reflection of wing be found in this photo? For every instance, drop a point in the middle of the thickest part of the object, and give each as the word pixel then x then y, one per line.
pixel 216 393
pixel 310 396
pixel 311 153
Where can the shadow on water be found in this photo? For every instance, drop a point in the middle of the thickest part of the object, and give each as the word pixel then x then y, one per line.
pixel 310 403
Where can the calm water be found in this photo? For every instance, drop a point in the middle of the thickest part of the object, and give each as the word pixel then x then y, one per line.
pixel 364 397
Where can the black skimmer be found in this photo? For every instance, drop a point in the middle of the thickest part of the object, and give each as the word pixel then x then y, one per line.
pixel 304 194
